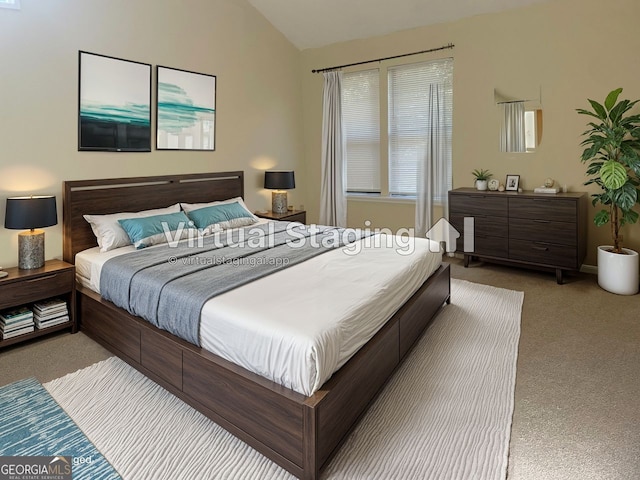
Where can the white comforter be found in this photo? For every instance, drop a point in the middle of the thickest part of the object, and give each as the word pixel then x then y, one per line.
pixel 298 326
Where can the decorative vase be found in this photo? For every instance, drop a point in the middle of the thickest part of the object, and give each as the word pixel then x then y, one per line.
pixel 481 184
pixel 617 272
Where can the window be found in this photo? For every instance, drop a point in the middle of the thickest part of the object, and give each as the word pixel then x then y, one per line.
pixel 532 128
pixel 529 130
pixel 407 121
pixel 15 4
pixel 361 120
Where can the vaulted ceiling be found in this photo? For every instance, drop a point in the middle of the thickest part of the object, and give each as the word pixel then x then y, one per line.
pixel 316 23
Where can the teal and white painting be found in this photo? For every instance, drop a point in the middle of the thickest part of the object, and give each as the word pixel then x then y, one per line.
pixel 114 104
pixel 186 114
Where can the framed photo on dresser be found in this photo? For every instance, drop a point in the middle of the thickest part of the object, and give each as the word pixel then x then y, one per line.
pixel 512 183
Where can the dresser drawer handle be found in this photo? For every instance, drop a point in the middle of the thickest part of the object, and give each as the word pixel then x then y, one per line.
pixel 542 249
pixel 42 278
pixel 542 221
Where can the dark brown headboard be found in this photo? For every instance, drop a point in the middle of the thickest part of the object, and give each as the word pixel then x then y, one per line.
pixel 112 195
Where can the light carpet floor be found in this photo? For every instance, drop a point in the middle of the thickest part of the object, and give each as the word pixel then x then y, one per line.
pixel 446 413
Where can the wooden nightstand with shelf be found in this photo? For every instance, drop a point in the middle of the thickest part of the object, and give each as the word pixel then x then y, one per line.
pixel 24 287
pixel 289 216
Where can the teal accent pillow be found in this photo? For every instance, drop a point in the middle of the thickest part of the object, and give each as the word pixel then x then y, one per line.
pixel 146 231
pixel 226 215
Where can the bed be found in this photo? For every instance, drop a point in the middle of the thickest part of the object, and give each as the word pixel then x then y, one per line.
pixel 299 432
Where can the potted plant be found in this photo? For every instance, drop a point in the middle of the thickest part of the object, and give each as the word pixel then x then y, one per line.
pixel 482 176
pixel 612 155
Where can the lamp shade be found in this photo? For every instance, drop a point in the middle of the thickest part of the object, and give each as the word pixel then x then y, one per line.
pixel 279 180
pixel 30 212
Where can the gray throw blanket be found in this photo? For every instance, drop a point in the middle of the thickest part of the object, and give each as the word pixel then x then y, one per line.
pixel 168 285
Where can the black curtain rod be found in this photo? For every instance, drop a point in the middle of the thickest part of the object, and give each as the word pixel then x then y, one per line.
pixel 451 45
pixel 514 101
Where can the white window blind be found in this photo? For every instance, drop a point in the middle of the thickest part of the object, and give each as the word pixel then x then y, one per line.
pixel 361 120
pixel 10 4
pixel 409 119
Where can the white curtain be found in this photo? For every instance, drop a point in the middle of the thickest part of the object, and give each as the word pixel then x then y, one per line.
pixel 333 203
pixel 512 137
pixel 433 169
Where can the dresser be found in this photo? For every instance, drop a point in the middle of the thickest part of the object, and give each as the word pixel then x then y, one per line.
pixel 526 229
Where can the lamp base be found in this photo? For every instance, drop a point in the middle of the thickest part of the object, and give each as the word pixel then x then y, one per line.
pixel 279 202
pixel 31 249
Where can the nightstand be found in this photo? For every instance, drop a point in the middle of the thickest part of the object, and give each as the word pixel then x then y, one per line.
pixel 24 287
pixel 290 216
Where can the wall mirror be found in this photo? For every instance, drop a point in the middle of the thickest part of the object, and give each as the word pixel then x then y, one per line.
pixel 520 122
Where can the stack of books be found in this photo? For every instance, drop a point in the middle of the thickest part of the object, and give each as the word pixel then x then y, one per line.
pixel 50 312
pixel 15 322
pixel 546 190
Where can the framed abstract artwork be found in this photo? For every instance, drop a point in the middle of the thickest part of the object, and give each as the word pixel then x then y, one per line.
pixel 186 112
pixel 114 104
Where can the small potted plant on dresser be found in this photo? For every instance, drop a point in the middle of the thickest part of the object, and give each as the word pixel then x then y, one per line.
pixel 482 177
pixel 612 155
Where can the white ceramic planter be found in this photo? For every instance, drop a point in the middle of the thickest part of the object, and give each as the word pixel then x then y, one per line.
pixel 481 184
pixel 618 273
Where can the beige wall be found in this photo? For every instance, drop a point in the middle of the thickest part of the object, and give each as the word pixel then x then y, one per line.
pixel 258 97
pixel 269 104
pixel 570 49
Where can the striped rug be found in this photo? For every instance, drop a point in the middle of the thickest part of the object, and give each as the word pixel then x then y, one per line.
pixel 446 413
pixel 32 424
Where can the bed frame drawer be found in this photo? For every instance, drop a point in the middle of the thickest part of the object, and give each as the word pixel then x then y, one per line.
pixel 101 321
pixel 242 403
pixel 162 356
pixel 368 371
pixel 415 315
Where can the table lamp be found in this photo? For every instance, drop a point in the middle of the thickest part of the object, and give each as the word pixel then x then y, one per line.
pixel 278 181
pixel 30 213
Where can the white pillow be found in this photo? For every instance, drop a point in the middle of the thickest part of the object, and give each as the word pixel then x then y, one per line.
pixel 111 235
pixel 249 220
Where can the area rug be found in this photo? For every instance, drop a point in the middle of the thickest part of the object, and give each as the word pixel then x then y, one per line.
pixel 32 424
pixel 446 413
